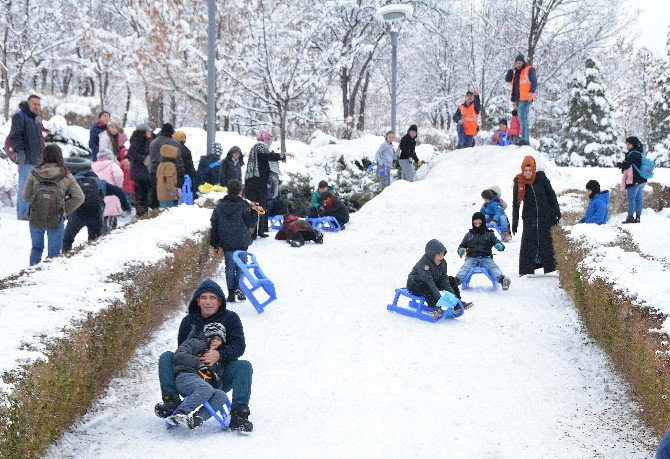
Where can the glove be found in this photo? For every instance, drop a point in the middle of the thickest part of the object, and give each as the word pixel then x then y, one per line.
pixel 461 251
pixel 514 228
pixel 499 247
pixel 493 222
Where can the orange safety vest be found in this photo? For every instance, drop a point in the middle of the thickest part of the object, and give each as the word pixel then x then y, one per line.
pixel 469 117
pixel 524 83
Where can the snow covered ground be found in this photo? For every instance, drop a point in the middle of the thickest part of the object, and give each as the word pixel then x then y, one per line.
pixel 336 375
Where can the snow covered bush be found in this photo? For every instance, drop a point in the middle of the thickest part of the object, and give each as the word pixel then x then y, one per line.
pixel 9 180
pixel 659 119
pixel 589 135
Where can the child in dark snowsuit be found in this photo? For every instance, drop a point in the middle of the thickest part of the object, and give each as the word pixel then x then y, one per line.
pixel 429 277
pixel 209 166
pixel 332 206
pixel 297 231
pixel 476 246
pixel 233 222
pixel 231 166
pixel 192 376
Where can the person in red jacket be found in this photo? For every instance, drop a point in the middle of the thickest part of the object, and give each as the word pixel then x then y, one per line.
pixel 514 131
pixel 297 231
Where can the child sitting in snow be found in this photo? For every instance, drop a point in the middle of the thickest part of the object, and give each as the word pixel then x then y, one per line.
pixel 494 211
pixel 598 203
pixel 514 130
pixel 297 231
pixel 196 380
pixel 499 137
pixel 429 277
pixel 332 206
pixel 316 202
pixel 476 246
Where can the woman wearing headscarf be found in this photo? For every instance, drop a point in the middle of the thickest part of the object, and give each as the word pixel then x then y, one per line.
pixel 540 212
pixel 258 174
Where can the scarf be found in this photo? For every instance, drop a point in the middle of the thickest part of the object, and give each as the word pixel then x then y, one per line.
pixel 252 166
pixel 522 181
pixel 274 168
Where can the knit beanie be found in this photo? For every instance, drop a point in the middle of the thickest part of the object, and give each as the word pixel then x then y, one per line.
pixel 594 186
pixel 179 135
pixel 217 149
pixel 167 130
pixel 413 128
pixel 105 154
pixel 215 329
pixel 479 216
pixel 520 58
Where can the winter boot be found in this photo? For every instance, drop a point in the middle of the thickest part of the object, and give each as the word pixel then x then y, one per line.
pixel 240 295
pixel 467 304
pixel 165 409
pixel 177 419
pixel 231 296
pixel 505 281
pixel 637 219
pixel 628 220
pixel 437 312
pixel 319 237
pixel 263 235
pixel 193 421
pixel 506 236
pixel 296 243
pixel 457 309
pixel 239 419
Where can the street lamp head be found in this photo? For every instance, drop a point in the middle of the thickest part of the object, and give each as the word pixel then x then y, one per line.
pixel 395 12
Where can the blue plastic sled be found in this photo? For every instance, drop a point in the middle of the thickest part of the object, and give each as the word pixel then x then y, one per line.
pixel 222 416
pixel 276 222
pixel 418 308
pixel 325 224
pixel 498 228
pixel 253 279
pixel 372 168
pixel 479 270
pixel 186 192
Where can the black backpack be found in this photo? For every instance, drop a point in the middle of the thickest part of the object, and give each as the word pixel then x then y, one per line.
pixel 47 203
pixel 93 200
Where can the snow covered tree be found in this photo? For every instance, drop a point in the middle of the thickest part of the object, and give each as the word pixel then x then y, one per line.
pixel 589 135
pixel 659 117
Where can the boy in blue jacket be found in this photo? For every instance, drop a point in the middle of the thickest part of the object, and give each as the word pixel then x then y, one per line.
pixel 598 204
pixel 494 211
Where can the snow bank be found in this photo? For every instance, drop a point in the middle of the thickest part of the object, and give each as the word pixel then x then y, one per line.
pixel 45 300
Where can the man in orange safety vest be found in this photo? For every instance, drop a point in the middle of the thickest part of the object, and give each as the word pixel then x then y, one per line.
pixel 523 78
pixel 466 118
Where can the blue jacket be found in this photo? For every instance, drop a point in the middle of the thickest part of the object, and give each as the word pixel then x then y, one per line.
pixel 235 344
pixel 493 209
pixel 597 211
pixel 94 140
pixel 501 139
pixel 208 171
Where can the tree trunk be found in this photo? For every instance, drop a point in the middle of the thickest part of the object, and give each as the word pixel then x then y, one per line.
pixel 173 109
pixel 282 125
pixel 364 96
pixel 4 70
pixel 344 88
pixel 128 94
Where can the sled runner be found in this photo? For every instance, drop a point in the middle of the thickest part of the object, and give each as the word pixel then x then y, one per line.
pixel 222 416
pixel 276 221
pixel 325 224
pixel 479 270
pixel 419 309
pixel 253 279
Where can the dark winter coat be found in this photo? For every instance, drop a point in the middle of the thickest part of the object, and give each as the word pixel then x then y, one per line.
pixel 457 114
pixel 94 139
pixel 106 189
pixel 540 212
pixel 335 208
pixel 230 170
pixel 186 357
pixel 256 188
pixel 478 243
pixel 208 171
pixel 294 225
pixel 194 322
pixel 26 135
pixel 137 154
pixel 407 148
pixel 231 220
pixel 428 273
pixel 187 159
pixel 513 77
pixel 597 210
pixel 633 158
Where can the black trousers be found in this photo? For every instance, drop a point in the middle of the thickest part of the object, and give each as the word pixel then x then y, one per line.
pixel 76 222
pixel 142 190
pixel 422 289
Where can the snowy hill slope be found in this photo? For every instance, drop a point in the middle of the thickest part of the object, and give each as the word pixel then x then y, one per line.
pixel 336 375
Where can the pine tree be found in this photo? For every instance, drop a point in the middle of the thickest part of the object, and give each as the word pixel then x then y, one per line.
pixel 659 117
pixel 589 136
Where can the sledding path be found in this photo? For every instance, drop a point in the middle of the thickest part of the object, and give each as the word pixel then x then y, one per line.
pixel 337 375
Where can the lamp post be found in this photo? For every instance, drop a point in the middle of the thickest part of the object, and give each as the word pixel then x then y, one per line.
pixel 211 74
pixel 394 14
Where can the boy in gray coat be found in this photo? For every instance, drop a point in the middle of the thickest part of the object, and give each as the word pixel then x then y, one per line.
pixel 384 157
pixel 192 376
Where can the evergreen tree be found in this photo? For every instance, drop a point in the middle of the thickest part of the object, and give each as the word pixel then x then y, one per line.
pixel 659 117
pixel 589 136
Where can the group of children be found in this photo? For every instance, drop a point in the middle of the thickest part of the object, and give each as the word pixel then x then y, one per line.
pixel 507 136
pixel 429 276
